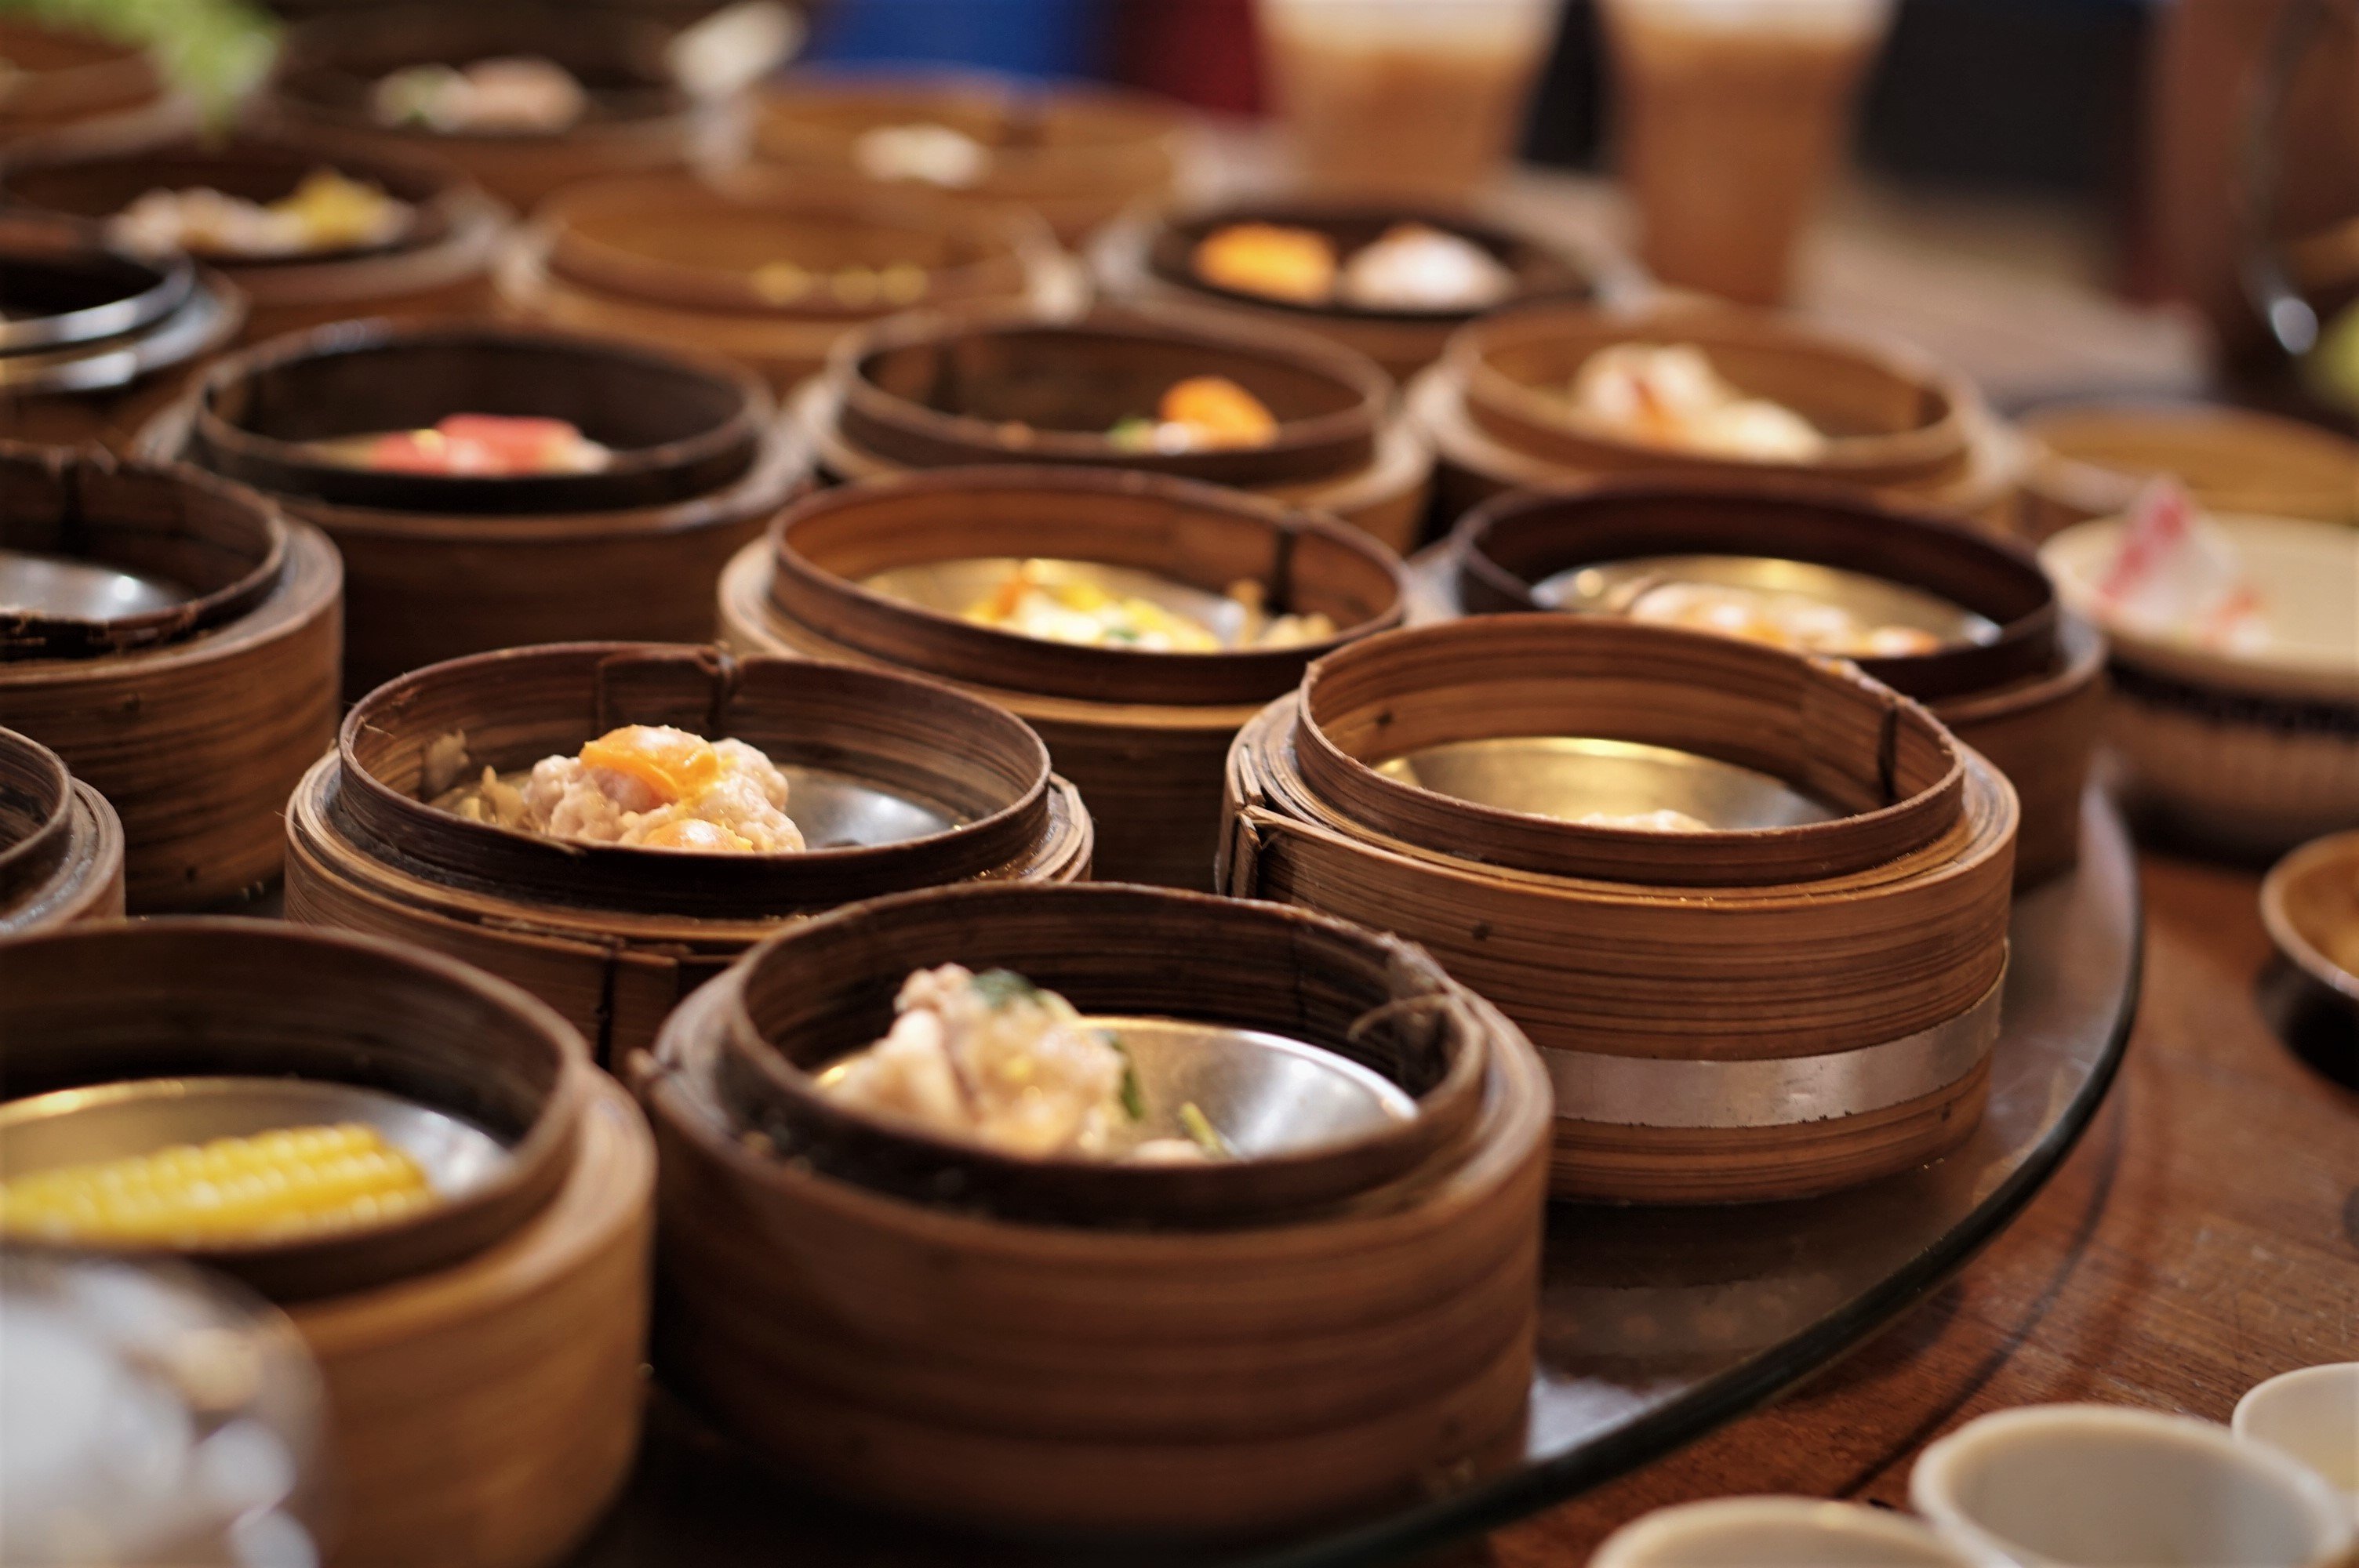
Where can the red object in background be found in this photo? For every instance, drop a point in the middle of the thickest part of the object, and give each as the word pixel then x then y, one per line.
pixel 1199 51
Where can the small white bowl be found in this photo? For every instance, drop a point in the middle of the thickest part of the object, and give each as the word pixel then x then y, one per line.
pixel 2092 1485
pixel 1777 1532
pixel 2313 1415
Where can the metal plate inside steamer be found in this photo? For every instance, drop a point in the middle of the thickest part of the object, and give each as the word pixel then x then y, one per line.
pixel 838 811
pixel 113 1121
pixel 1569 777
pixel 71 589
pixel 953 588
pixel 1611 587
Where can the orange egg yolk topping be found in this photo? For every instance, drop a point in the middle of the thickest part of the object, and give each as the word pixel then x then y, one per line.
pixel 1219 411
pixel 673 763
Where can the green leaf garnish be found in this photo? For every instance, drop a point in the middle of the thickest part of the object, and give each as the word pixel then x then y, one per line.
pixel 1200 1127
pixel 999 987
pixel 1134 1098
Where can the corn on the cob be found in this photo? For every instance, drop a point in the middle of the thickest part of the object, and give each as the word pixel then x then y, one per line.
pixel 232 1189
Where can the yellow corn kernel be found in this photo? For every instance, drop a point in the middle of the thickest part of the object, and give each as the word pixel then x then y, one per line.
pixel 232 1189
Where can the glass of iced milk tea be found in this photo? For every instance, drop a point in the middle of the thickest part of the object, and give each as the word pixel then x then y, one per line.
pixel 1732 116
pixel 1412 98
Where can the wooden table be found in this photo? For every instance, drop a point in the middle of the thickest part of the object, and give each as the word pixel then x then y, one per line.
pixel 2204 1236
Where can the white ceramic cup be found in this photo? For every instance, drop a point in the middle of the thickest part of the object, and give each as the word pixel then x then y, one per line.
pixel 2312 1414
pixel 2098 1485
pixel 1776 1532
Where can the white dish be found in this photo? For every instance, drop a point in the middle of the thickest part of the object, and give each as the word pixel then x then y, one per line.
pixel 2103 1486
pixel 2307 574
pixel 2313 1415
pixel 1777 1532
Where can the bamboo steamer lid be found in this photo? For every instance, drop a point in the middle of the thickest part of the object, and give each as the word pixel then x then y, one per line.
pixel 60 843
pixel 436 268
pixel 1740 1041
pixel 194 721
pixel 1896 425
pixel 1142 734
pixel 612 937
pixel 959 388
pixel 1198 1383
pixel 772 280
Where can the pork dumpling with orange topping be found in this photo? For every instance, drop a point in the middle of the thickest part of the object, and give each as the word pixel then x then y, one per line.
pixel 644 784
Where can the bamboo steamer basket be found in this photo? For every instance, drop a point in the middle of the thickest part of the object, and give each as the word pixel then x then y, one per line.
pixel 482 1412
pixel 941 390
pixel 613 937
pixel 772 281
pixel 1898 427
pixel 1177 1382
pixel 1147 258
pixel 60 843
pixel 1142 735
pixel 1713 1035
pixel 194 721
pixel 1076 155
pixel 440 567
pixel 2028 700
pixel 640 120
pixel 2090 460
pixel 77 86
pixel 93 339
pixel 439 268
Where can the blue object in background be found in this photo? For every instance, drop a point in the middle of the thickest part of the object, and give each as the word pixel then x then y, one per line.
pixel 1024 38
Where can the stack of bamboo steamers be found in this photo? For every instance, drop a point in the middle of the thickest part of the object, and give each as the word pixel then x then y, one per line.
pixel 834 401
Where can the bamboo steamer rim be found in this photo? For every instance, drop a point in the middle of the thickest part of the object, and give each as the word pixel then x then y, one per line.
pixel 151 288
pixel 1268 790
pixel 1913 544
pixel 451 850
pixel 1356 686
pixel 752 621
pixel 46 177
pixel 316 71
pixel 185 313
pixel 31 772
pixel 813 119
pixel 804 587
pixel 903 429
pixel 1458 1179
pixel 2092 456
pixel 1545 269
pixel 1536 424
pixel 769 1080
pixel 573 230
pixel 91 74
pixel 322 852
pixel 607 1194
pixel 781 464
pixel 448 1231
pixel 668 472
pixel 216 517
